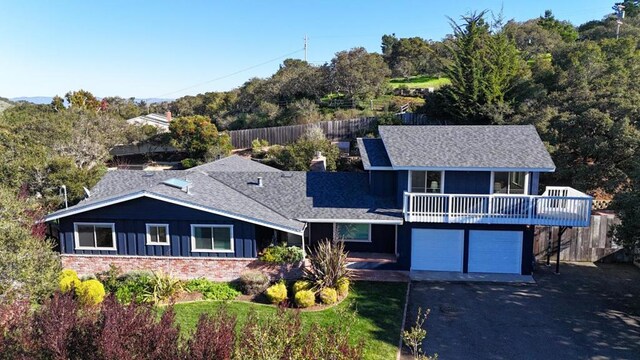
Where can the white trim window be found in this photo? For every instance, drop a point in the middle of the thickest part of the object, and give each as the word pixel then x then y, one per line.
pixel 94 236
pixel 158 234
pixel 352 232
pixel 421 181
pixel 212 238
pixel 513 183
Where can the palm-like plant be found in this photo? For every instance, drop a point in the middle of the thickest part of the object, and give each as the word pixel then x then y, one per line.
pixel 327 265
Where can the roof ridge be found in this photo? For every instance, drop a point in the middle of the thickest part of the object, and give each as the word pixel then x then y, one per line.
pixel 252 199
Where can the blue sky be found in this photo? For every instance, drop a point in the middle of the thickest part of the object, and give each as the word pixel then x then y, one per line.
pixel 174 48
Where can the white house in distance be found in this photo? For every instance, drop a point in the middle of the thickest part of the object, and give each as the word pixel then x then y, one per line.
pixel 158 120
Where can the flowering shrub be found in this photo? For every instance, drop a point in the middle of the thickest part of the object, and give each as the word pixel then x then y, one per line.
pixel 90 292
pixel 328 296
pixel 277 293
pixel 282 254
pixel 211 290
pixel 305 298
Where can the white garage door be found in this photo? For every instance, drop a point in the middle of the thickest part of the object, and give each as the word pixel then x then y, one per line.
pixel 437 250
pixel 495 251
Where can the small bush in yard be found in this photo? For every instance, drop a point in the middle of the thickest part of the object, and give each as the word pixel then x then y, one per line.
pixel 214 337
pixel 328 264
pixel 304 298
pixel 134 288
pixel 163 287
pixel 253 282
pixel 414 337
pixel 67 283
pixel 343 287
pixel 110 278
pixel 328 296
pixel 282 254
pixel 300 285
pixel 211 290
pixel 277 293
pixel 90 292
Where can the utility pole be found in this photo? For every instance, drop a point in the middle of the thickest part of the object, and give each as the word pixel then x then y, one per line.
pixel 305 47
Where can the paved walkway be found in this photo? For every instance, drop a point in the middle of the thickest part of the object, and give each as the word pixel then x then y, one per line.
pixel 476 277
pixel 380 275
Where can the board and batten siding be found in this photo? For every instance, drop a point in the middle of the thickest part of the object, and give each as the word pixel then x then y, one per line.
pixel 383 238
pixel 383 182
pixel 130 219
pixel 467 182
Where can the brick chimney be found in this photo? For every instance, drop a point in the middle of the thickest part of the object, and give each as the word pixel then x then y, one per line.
pixel 168 115
pixel 319 162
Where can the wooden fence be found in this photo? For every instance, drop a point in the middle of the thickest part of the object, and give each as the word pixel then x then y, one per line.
pixel 334 130
pixel 580 244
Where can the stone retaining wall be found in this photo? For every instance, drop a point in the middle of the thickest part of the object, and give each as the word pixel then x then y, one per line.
pixel 217 269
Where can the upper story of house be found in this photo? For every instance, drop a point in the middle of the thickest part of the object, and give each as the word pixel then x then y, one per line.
pixel 470 174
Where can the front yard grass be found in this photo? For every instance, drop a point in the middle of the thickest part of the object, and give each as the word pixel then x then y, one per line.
pixel 378 305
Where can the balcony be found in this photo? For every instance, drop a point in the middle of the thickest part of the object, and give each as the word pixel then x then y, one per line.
pixel 557 206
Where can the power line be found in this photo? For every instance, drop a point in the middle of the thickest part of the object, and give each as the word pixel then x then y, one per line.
pixel 232 74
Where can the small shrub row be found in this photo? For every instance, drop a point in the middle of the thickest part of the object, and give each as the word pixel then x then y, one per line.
pixel 303 294
pixel 63 329
pixel 282 254
pixel 211 290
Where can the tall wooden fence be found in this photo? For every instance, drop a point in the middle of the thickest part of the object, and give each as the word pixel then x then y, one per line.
pixel 334 130
pixel 580 244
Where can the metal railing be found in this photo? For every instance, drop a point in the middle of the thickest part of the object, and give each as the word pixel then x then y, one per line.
pixel 557 206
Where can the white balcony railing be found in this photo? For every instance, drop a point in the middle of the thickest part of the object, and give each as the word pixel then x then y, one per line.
pixel 557 206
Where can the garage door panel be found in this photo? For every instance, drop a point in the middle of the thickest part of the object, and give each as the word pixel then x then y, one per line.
pixel 495 251
pixel 437 250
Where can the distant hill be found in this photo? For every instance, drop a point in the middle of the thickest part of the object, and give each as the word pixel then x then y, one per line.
pixel 47 99
pixel 5 103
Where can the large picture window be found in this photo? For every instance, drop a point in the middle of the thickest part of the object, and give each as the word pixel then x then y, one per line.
pixel 212 238
pixel 509 183
pixel 96 236
pixel 426 181
pixel 353 232
pixel 157 234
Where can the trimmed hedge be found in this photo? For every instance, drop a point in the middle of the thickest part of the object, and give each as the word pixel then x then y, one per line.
pixel 343 287
pixel 253 282
pixel 305 298
pixel 277 293
pixel 328 296
pixel 300 285
pixel 90 292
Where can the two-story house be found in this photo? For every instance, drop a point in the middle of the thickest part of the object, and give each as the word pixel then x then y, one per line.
pixel 436 198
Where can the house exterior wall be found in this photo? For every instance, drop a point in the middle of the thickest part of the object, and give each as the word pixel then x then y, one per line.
pixel 383 183
pixel 467 182
pixel 217 269
pixel 382 238
pixel 404 241
pixel 403 185
pixel 534 183
pixel 130 219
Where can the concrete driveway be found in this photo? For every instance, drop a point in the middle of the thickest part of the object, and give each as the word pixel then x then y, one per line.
pixel 587 312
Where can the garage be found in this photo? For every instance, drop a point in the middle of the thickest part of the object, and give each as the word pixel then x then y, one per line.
pixel 492 251
pixel 437 249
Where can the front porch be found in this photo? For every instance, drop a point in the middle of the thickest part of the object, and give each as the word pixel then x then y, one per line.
pixel 557 206
pixel 368 266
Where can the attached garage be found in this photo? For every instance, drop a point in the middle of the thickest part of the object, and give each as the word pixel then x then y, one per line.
pixel 492 251
pixel 437 249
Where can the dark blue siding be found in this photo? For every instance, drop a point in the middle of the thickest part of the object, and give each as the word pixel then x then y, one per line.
pixel 534 183
pixel 404 241
pixel 130 220
pixel 403 183
pixel 383 238
pixel 383 183
pixel 467 182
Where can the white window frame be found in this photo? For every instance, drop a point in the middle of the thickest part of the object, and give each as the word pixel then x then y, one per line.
pixel 77 237
pixel 166 241
pixel 335 233
pixel 193 238
pixel 527 177
pixel 409 185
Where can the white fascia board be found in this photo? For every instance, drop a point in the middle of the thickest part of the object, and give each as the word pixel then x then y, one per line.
pixel 440 168
pixel 387 168
pixel 354 221
pixel 117 200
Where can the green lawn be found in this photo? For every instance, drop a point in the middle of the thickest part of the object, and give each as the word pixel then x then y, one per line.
pixel 420 81
pixel 379 307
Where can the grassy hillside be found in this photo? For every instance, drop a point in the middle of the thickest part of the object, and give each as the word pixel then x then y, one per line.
pixel 5 103
pixel 419 82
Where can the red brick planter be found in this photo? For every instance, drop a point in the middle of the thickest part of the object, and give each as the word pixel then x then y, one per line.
pixel 217 269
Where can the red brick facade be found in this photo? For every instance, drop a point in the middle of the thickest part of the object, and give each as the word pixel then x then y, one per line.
pixel 218 269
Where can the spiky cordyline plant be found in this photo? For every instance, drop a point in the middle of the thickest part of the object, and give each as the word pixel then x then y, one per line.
pixel 327 264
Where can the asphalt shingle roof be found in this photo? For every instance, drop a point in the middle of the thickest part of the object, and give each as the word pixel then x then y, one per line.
pixel 472 146
pixel 234 163
pixel 314 195
pixel 373 153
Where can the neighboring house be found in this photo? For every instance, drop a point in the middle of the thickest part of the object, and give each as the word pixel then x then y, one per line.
pixel 158 120
pixel 437 198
